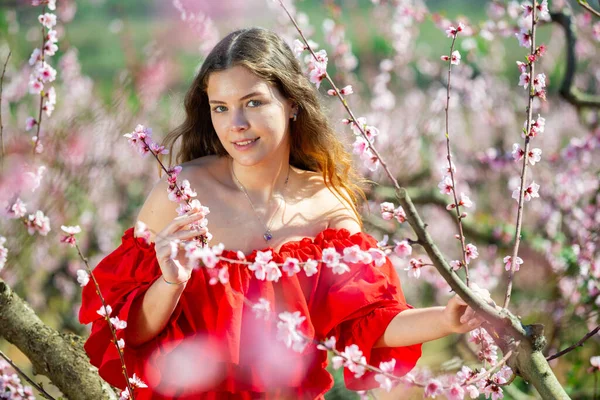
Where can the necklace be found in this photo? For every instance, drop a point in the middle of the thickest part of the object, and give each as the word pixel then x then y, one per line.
pixel 267 235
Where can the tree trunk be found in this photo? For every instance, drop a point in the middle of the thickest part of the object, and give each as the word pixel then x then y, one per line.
pixel 58 356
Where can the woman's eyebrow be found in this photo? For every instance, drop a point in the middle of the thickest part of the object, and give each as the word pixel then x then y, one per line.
pixel 241 98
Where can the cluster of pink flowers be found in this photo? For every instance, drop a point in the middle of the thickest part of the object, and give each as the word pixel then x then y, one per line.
pixel 141 140
pixel 42 72
pixel 389 211
pixel 38 222
pixel 11 386
pixel 361 146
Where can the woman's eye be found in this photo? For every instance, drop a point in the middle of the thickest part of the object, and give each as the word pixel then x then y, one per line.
pixel 219 109
pixel 254 103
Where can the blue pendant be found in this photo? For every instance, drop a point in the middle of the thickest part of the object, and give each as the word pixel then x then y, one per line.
pixel 268 236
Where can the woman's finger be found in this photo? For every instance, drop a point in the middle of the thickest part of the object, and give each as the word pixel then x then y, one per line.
pixel 180 222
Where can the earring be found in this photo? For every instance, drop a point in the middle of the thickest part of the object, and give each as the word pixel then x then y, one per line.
pixel 295 116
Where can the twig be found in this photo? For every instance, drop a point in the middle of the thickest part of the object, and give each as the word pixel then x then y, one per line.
pixel 107 318
pixel 28 379
pixel 41 108
pixel 576 345
pixel 451 169
pixel 2 127
pixel 584 4
pixel 531 92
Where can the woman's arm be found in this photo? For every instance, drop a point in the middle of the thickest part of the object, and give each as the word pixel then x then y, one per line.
pixel 421 325
pixel 150 313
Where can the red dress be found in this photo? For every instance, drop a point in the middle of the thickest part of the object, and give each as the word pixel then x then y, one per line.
pixel 215 347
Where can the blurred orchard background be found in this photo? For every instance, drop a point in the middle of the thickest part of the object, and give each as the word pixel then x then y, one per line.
pixel 122 63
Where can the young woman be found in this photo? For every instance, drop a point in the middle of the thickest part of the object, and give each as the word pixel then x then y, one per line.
pixel 259 152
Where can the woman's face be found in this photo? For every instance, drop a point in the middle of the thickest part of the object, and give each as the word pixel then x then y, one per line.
pixel 251 116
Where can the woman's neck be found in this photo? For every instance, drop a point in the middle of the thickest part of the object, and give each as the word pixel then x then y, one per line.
pixel 262 181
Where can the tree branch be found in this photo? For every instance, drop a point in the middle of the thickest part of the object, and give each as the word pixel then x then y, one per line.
pixel 576 345
pixel 567 89
pixel 28 379
pixel 584 4
pixel 58 356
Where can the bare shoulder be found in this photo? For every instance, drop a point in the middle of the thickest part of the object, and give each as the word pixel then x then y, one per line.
pixel 335 209
pixel 158 210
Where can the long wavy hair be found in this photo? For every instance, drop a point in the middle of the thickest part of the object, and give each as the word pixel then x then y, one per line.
pixel 314 145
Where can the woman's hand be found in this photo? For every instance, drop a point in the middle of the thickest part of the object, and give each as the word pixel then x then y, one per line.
pixel 167 243
pixel 459 317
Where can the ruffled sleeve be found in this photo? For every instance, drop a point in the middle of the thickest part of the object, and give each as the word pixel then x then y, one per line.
pixel 357 306
pixel 122 276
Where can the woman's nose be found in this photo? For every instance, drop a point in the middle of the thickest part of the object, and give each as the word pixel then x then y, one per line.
pixel 239 121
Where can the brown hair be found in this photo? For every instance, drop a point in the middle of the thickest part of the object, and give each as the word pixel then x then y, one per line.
pixel 314 145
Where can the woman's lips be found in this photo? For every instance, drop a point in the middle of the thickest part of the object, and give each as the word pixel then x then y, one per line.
pixel 242 145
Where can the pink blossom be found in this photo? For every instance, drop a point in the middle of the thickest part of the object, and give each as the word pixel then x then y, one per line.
pixel 70 231
pixel 298 48
pixel 370 160
pixel 377 256
pixel 471 253
pixel 35 86
pixel 273 273
pixel 399 214
pixel 291 266
pixel 523 67
pixel 445 185
pixel 433 388
pixel 17 210
pixel 44 72
pixel 36 56
pixel 414 268
pixel 83 278
pixel 157 149
pixel 125 395
pixel 328 344
pixel 118 324
pixel 454 58
pixel 48 20
pixel 539 83
pixel 452 31
pixel 360 145
pixel 529 193
pixel 456 265
pixel 310 267
pixel 534 155
pixel 353 254
pixel 508 263
pixel 221 276
pixel 494 391
pixel 387 210
pixel 38 222
pixel 524 80
pixel 595 361
pixel 287 330
pixel 105 311
pixel 524 37
pixel 330 256
pixel 403 249
pixel 455 392
pixel 346 90
pixel 354 360
pixel 184 193
pixel 121 343
pixel 385 382
pixel 517 152
pixel 537 126
pixel 359 123
pixel 50 48
pixel 340 268
pixel 318 73
pixel 136 382
pixel 30 122
pixel 262 309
